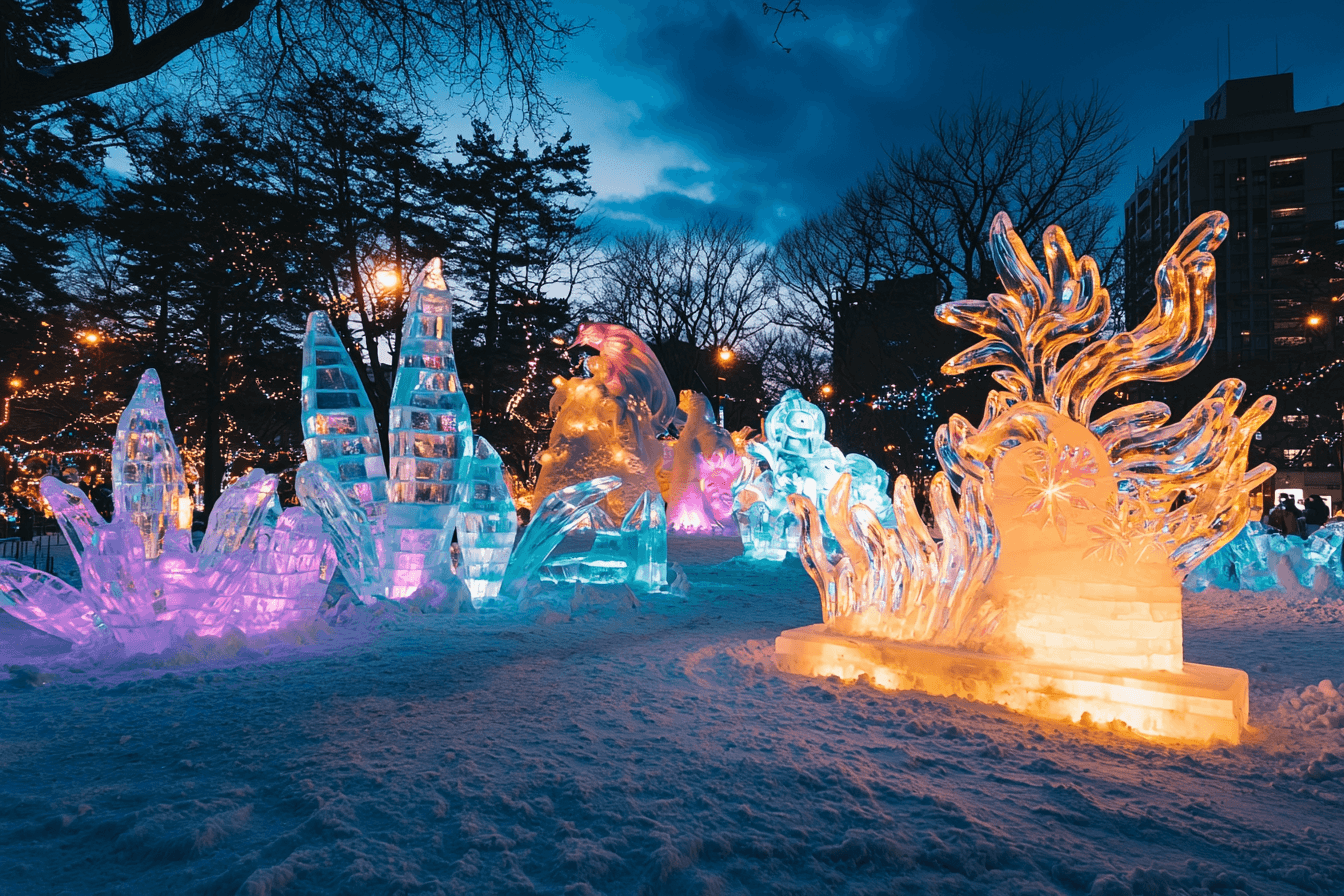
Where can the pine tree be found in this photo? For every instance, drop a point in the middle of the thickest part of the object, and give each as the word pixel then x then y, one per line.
pixel 521 246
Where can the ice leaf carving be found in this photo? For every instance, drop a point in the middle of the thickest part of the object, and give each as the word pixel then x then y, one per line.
pixel 149 487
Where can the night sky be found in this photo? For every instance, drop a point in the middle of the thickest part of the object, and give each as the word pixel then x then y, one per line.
pixel 689 107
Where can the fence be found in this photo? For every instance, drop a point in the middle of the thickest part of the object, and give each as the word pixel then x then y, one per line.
pixel 36 553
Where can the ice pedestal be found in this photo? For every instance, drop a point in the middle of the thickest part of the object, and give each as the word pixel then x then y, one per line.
pixel 1198 704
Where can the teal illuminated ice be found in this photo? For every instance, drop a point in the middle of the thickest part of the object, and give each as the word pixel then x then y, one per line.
pixel 339 428
pixel 149 487
pixel 800 462
pixel 1262 559
pixel 634 555
pixel 560 512
pixel 429 440
pixel 487 524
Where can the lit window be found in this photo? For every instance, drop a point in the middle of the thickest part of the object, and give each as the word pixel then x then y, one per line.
pixel 1286 160
pixel 1291 212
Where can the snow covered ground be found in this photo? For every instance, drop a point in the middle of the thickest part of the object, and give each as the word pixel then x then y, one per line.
pixel 603 745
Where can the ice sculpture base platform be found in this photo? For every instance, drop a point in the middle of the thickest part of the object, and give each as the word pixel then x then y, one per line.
pixel 1198 705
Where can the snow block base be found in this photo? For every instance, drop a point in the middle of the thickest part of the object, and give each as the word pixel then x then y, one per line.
pixel 1199 704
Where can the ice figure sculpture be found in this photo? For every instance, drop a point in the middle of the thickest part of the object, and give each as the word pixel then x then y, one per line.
pixel 705 464
pixel 256 570
pixel 488 524
pixel 801 462
pixel 1057 581
pixel 608 423
pixel 634 554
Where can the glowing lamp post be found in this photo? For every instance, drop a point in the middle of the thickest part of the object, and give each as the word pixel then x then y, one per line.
pixel 725 356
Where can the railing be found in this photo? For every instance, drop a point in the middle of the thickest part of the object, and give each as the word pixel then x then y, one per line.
pixel 36 553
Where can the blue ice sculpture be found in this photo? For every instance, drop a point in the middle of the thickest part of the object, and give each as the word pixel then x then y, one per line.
pixel 801 462
pixel 634 555
pixel 1260 558
pixel 560 512
pixel 487 525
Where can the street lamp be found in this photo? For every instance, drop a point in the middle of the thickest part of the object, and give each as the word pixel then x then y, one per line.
pixel 386 279
pixel 725 356
pixel 826 391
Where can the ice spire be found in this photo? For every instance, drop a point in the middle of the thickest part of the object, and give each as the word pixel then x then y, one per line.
pixel 149 486
pixel 339 429
pixel 486 525
pixel 429 437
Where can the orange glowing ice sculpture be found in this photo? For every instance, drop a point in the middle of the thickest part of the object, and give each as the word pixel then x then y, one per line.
pixel 1055 589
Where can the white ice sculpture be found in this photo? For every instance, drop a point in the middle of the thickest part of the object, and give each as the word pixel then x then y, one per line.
pixel 608 423
pixel 705 464
pixel 1056 587
pixel 801 462
pixel 256 570
pixel 634 554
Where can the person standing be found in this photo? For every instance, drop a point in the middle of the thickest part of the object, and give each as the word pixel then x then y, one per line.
pixel 1284 516
pixel 1317 515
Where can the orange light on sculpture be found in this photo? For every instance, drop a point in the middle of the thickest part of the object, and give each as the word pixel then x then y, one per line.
pixel 1056 587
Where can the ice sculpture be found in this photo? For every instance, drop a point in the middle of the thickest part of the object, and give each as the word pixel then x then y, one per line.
pixel 608 423
pixel 488 524
pixel 634 555
pixel 555 517
pixel 1056 587
pixel 256 570
pixel 801 462
pixel 705 464
pixel 402 537
pixel 1261 559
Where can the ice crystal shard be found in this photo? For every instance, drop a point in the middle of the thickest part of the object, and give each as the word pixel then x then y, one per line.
pixel 45 602
pixel 429 438
pixel 149 487
pixel 644 543
pixel 345 523
pixel 487 525
pixel 1056 506
pixel 339 428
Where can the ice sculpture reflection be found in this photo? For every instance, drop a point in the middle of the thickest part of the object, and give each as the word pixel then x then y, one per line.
pixel 1060 566
pixel 256 570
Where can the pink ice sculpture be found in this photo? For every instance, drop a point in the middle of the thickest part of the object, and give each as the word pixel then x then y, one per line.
pixel 257 569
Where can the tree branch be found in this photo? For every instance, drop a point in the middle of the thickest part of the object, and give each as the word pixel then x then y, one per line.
pixel 30 89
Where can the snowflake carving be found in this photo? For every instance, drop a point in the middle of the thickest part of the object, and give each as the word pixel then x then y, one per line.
pixel 1054 475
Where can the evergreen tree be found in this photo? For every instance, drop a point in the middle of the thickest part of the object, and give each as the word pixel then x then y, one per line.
pixel 521 246
pixel 209 261
pixel 363 182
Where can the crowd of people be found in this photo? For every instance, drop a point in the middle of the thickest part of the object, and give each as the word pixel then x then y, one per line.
pixel 1291 518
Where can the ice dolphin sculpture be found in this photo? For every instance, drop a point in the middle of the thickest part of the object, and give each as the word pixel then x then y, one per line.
pixel 1057 582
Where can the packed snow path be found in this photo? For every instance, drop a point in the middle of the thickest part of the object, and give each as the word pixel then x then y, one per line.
pixel 653 749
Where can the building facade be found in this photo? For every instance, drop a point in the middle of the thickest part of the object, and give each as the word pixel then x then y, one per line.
pixel 1279 176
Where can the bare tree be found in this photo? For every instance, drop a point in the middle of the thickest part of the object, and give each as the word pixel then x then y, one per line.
pixel 824 261
pixel 494 51
pixel 1043 162
pixel 707 285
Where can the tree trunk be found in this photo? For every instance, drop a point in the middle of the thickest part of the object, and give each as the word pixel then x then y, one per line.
pixel 491 321
pixel 213 450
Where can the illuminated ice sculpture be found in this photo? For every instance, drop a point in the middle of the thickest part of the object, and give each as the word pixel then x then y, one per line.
pixel 608 423
pixel 257 569
pixel 395 535
pixel 1056 587
pixel 705 465
pixel 801 462
pixel 1262 559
